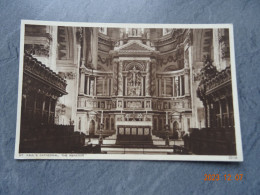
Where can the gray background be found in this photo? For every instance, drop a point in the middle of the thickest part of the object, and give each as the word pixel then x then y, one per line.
pixel 131 177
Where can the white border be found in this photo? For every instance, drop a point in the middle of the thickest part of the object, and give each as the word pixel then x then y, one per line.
pixel 235 158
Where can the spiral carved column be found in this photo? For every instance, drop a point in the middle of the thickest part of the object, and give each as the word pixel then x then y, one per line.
pixel 114 91
pixel 120 79
pixel 147 79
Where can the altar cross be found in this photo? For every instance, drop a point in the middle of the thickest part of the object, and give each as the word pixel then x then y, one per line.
pixel 134 72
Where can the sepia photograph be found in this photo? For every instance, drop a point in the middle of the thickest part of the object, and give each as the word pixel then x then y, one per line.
pixel 127 92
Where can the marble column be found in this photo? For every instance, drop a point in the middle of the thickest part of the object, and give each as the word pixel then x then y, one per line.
pixel 95 86
pixel 103 87
pixel 164 87
pixel 177 86
pixel 147 79
pixel 53 47
pixel 115 76
pixel 186 72
pixel 160 87
pixel 120 79
pixel 186 83
pixel 180 85
pixel 142 84
pixel 111 87
pixel 82 82
pixel 88 86
pixel 125 85
pixel 156 87
pixel 94 47
pixel 108 82
pixel 173 86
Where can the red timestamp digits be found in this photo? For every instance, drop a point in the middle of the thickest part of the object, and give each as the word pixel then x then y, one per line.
pixel 238 177
pixel 211 177
pixel 227 177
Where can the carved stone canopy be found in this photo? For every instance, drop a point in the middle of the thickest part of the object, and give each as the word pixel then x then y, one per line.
pixel 133 48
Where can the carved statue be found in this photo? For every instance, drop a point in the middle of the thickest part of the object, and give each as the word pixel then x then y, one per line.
pixel 134 84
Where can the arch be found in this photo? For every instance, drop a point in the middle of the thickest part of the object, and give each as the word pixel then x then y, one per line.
pixel 202 42
pixel 92 125
pixel 65 42
pixel 137 65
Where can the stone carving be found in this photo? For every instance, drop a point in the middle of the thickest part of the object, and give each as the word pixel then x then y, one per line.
pixel 67 75
pixel 133 131
pixel 119 105
pixel 140 131
pixel 129 65
pixel 134 47
pixel 127 116
pixel 121 131
pixel 207 72
pixel 140 116
pixel 148 105
pixel 176 56
pixel 127 131
pixel 33 67
pixel 224 43
pixel 134 90
pixel 37 49
pixel 134 82
pixel 79 35
pixel 146 131
pixel 134 104
pixel 104 60
pixel 113 104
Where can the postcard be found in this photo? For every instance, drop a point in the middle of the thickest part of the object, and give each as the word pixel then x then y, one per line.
pixel 127 92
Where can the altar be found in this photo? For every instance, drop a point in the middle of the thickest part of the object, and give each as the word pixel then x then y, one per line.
pixel 134 132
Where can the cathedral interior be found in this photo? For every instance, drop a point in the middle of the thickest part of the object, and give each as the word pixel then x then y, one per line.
pixel 140 87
